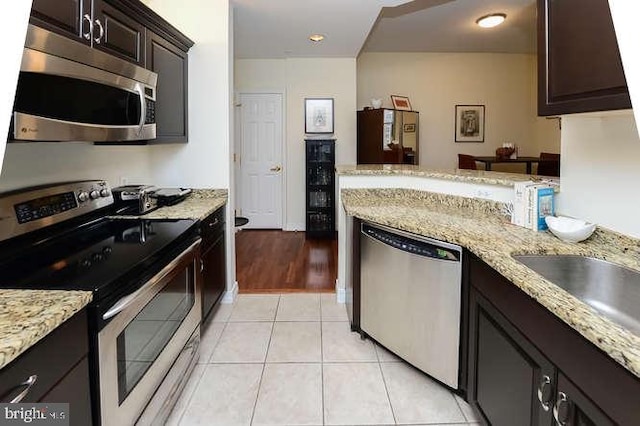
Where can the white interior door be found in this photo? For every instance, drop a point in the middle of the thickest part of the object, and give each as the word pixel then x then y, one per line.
pixel 261 159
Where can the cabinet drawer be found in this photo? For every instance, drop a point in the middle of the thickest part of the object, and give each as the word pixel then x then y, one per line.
pixel 211 227
pixel 74 390
pixel 50 359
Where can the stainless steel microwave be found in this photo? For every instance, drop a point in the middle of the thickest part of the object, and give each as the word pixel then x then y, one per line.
pixel 68 91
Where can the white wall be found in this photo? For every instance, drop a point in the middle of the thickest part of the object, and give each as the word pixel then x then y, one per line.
pixel 436 82
pixel 625 16
pixel 301 78
pixel 29 164
pixel 205 161
pixel 601 170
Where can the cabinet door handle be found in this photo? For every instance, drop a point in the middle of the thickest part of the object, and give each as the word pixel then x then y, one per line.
pixel 545 397
pixel 276 169
pixel 99 38
pixel 87 18
pixel 213 223
pixel 563 400
pixel 201 266
pixel 27 384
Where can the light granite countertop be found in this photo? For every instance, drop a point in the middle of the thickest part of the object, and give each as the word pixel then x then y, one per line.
pixel 197 206
pixel 458 175
pixel 480 226
pixel 26 316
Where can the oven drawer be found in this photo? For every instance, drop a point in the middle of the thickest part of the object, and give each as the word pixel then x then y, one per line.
pixel 50 360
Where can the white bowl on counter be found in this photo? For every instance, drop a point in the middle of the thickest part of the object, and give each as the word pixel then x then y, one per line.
pixel 568 229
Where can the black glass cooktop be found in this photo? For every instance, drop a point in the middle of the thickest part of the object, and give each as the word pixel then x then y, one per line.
pixel 105 257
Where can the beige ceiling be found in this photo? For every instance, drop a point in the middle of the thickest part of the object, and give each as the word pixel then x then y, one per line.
pixel 449 26
pixel 280 28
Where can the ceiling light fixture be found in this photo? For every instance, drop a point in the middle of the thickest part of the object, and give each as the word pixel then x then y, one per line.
pixel 492 20
pixel 316 38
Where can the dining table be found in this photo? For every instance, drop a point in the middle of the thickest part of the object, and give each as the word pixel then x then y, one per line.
pixel 489 161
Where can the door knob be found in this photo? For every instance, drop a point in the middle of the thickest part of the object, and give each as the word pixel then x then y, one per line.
pixel 276 169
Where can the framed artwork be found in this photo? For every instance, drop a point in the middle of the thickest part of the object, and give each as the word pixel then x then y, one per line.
pixel 409 128
pixel 469 123
pixel 401 103
pixel 318 113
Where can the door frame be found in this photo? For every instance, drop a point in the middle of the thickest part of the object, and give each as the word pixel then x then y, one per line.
pixel 237 148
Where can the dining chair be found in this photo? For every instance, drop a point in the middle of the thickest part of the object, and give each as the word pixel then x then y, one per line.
pixel 466 162
pixel 549 164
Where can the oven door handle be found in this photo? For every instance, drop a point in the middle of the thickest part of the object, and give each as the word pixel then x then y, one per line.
pixel 127 300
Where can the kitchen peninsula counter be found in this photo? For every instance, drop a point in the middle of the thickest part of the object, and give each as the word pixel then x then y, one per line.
pixel 26 316
pixel 197 206
pixel 456 175
pixel 481 227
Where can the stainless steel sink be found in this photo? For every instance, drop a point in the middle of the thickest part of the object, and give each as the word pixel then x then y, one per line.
pixel 610 289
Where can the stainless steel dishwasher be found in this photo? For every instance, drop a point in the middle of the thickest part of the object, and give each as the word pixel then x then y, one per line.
pixel 410 298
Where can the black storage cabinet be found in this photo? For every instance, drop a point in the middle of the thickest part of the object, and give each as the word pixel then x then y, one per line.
pixel 320 188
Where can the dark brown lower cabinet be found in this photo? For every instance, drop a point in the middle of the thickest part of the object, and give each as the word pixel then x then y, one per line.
pixel 527 367
pixel 506 369
pixel 573 407
pixel 213 256
pixel 59 365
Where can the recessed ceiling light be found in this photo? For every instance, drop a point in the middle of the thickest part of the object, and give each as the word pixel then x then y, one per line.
pixel 492 20
pixel 316 37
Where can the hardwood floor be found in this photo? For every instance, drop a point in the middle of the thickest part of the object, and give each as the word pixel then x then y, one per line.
pixel 269 261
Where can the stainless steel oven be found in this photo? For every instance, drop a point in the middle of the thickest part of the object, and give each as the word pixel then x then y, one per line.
pixel 68 91
pixel 150 344
pixel 145 278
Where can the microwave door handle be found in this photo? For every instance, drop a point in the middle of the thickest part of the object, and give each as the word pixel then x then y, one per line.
pixel 143 110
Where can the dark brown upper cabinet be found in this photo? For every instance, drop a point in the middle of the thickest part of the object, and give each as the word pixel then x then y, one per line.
pixel 118 34
pixel 579 65
pixel 63 17
pixel 170 63
pixel 95 23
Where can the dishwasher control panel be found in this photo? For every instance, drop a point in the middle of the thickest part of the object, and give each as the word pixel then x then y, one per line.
pixel 411 245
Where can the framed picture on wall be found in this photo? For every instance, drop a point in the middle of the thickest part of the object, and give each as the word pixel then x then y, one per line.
pixel 318 113
pixel 401 103
pixel 469 123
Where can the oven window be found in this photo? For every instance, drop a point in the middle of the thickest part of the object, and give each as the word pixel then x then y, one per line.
pixel 150 331
pixel 78 101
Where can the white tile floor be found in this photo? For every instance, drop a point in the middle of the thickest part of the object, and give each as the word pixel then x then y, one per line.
pixel 292 360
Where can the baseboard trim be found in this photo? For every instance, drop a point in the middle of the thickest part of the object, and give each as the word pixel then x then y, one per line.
pixel 340 293
pixel 295 227
pixel 230 295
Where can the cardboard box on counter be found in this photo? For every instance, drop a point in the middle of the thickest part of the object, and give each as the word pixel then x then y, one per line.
pixel 532 203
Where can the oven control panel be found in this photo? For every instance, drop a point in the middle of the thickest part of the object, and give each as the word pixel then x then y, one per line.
pixel 34 208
